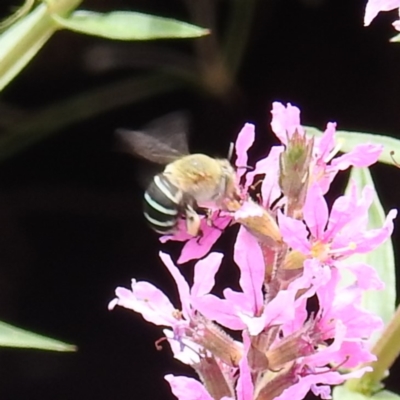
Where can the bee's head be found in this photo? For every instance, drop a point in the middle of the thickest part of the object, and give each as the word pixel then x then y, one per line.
pixel 228 175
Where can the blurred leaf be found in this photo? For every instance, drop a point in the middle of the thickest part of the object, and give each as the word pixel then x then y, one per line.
pixel 10 336
pixel 349 140
pixel 382 302
pixel 125 25
pixel 342 393
pixel 17 14
pixel 395 38
pixel 50 120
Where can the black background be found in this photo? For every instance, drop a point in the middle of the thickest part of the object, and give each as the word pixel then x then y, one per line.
pixel 71 228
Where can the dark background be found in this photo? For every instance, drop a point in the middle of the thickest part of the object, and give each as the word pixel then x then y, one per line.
pixel 71 227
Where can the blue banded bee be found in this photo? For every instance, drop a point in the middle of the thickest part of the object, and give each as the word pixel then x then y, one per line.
pixel 189 181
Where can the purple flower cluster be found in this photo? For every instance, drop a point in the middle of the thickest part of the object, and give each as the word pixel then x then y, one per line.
pixel 290 249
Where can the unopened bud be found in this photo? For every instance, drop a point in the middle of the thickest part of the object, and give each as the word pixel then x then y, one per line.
pixel 294 171
pixel 261 223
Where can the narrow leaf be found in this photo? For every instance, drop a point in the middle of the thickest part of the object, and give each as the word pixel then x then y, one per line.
pixel 383 302
pixel 10 336
pixel 125 25
pixel 348 140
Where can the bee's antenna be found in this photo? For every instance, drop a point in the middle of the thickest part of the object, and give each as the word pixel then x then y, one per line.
pixel 230 151
pixel 230 154
pixel 248 167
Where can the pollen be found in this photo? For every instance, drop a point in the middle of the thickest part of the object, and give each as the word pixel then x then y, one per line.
pixel 352 245
pixel 320 250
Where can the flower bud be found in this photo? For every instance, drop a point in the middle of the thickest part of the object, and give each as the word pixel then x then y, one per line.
pixel 294 165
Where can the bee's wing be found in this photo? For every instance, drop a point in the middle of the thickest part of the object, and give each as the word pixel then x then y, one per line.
pixel 162 141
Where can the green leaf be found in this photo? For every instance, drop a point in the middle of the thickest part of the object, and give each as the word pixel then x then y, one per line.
pixel 125 25
pixel 20 43
pixel 382 302
pixel 343 393
pixel 10 336
pixel 348 140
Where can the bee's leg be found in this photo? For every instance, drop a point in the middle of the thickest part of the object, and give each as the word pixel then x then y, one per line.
pixel 200 235
pixel 207 212
pixel 192 221
pixel 210 222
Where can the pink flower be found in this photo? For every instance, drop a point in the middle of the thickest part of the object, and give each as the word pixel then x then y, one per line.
pixel 340 234
pixel 341 317
pixel 247 309
pixel 286 121
pixel 325 167
pixel 155 307
pixel 286 256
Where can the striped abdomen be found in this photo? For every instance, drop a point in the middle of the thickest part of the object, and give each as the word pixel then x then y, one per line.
pixel 162 204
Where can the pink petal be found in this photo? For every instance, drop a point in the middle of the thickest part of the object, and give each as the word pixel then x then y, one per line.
pixel 314 276
pixel 315 212
pixel 396 25
pixel 245 387
pixel 204 274
pixel 185 388
pixel 182 348
pixel 222 311
pixel 281 309
pixel 254 325
pixel 196 248
pixel 270 189
pixel 363 155
pixel 375 6
pixel 294 233
pixel 182 285
pixel 356 353
pixel 249 258
pixel 342 213
pixel 324 355
pixel 149 301
pixel 366 276
pixel 285 121
pixel 326 142
pixel 375 237
pixel 244 141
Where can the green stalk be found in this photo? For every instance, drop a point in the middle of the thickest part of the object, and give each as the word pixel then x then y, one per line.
pixel 386 349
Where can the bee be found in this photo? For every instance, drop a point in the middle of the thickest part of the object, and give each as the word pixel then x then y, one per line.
pixel 188 181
